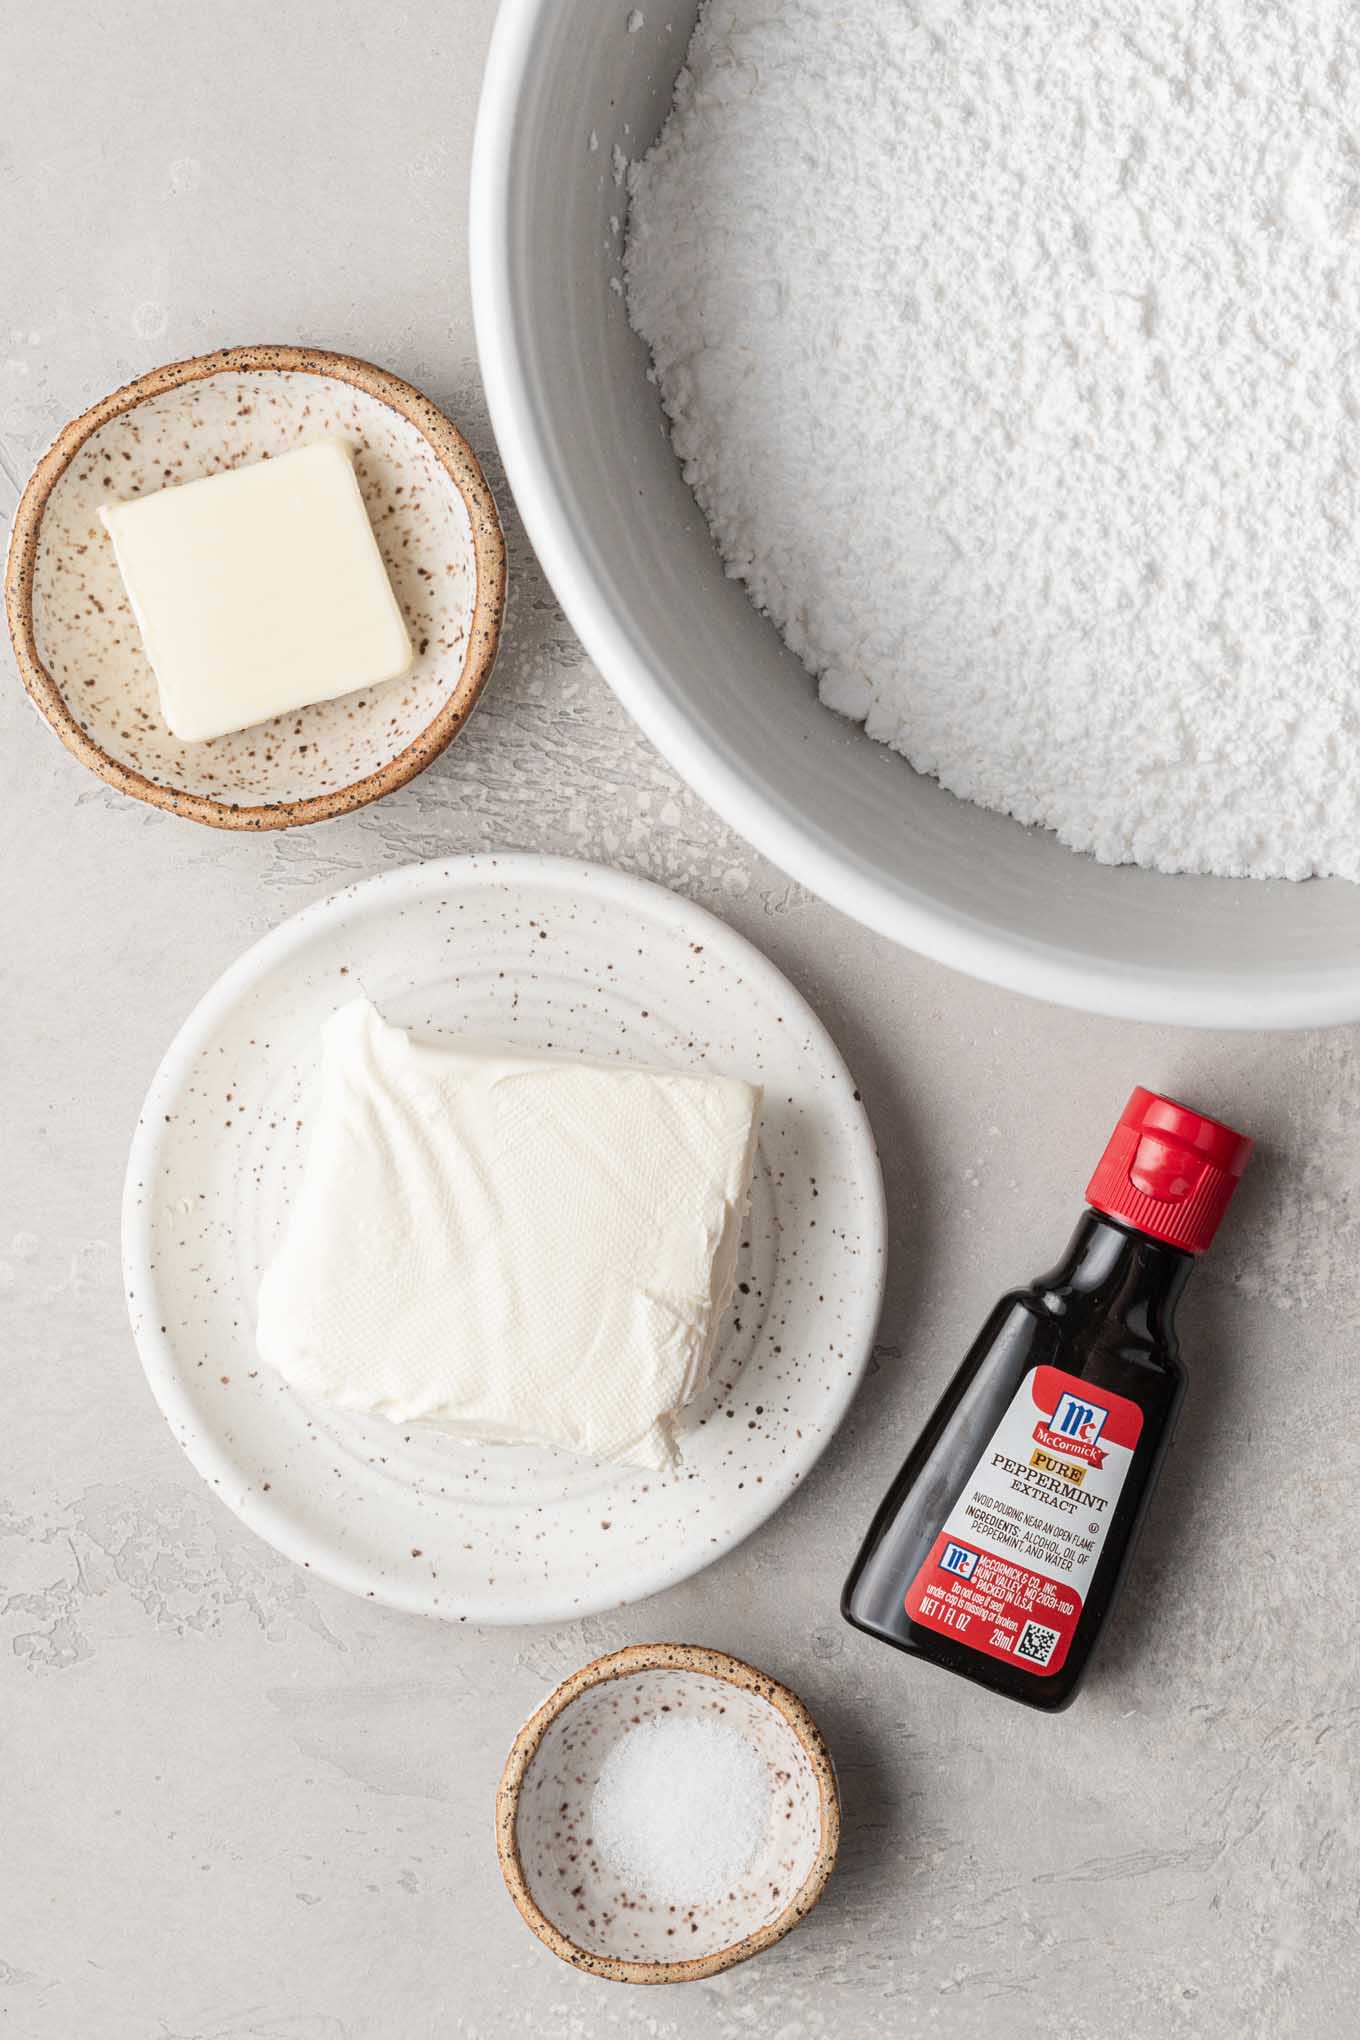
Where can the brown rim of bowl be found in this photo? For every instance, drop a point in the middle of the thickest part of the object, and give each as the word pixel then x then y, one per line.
pixel 622 1664
pixel 454 455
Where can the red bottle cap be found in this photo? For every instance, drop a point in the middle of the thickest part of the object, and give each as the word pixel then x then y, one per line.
pixel 1169 1171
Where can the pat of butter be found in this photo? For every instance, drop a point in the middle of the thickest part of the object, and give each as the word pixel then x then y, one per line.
pixel 517 1248
pixel 258 591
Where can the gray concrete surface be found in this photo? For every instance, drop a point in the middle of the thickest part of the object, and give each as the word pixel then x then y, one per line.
pixel 235 1805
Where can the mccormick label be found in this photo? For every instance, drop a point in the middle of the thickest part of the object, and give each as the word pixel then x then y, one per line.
pixel 1011 1567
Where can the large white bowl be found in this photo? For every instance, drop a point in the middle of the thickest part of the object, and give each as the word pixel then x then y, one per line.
pixel 587 454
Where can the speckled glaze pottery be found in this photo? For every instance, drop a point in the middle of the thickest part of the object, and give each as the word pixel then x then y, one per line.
pixel 567 959
pixel 553 1871
pixel 78 648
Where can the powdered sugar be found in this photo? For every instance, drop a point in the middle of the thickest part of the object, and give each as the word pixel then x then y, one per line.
pixel 1011 350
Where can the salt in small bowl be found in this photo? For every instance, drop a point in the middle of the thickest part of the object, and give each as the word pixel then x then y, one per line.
pixel 570 1898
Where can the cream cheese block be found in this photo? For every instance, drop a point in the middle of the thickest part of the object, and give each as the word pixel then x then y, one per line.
pixel 517 1248
pixel 258 591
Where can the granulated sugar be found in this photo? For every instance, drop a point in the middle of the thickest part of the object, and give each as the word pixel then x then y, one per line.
pixel 1012 349
pixel 680 1809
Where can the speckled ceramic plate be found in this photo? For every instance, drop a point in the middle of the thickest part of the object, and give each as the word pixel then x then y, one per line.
pixel 79 650
pixel 558 955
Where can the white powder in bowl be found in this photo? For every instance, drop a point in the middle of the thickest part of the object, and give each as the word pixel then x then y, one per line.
pixel 1011 349
pixel 680 1809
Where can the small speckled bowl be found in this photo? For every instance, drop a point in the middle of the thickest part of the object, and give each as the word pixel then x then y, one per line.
pixel 575 1905
pixel 80 653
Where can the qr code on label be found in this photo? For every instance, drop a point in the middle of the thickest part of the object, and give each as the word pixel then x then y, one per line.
pixel 1036 1644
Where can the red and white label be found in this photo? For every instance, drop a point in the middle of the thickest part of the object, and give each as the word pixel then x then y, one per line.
pixel 1008 1573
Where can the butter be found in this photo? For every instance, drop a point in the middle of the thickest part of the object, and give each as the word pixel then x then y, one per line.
pixel 516 1248
pixel 258 591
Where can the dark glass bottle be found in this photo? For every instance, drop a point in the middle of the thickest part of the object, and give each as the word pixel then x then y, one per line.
pixel 999 1548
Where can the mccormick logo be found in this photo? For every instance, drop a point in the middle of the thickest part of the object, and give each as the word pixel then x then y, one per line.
pixel 957 1558
pixel 1074 1428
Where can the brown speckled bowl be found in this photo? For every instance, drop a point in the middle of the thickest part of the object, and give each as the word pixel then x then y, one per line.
pixel 575 1905
pixel 78 648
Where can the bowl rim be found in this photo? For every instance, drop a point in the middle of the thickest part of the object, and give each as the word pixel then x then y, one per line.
pixel 1252 997
pixel 622 1664
pixel 453 454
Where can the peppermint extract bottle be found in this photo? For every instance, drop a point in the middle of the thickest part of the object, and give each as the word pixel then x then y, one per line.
pixel 1000 1547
